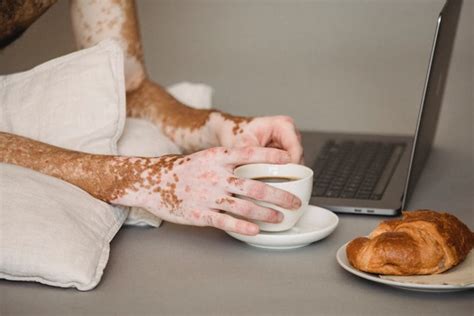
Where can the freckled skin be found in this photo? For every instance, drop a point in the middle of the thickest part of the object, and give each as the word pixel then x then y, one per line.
pixel 192 189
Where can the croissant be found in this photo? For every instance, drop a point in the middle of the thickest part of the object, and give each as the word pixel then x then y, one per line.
pixel 422 242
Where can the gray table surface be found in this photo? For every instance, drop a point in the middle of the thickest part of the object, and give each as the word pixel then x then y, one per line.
pixel 179 270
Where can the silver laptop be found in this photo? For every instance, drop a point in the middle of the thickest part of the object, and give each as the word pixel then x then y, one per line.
pixel 374 174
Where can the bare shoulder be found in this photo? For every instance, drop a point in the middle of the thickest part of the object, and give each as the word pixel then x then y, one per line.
pixel 18 15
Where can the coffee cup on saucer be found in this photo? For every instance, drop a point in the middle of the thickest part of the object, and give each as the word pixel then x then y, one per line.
pixel 296 179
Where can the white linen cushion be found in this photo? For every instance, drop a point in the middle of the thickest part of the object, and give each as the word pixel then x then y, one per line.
pixel 143 139
pixel 52 232
pixel 78 102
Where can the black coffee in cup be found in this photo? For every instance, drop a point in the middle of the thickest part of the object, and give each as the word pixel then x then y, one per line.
pixel 275 179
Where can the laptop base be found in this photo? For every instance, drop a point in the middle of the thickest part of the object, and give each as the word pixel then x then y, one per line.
pixel 390 203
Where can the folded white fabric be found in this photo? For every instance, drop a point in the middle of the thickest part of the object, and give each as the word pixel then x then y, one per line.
pixel 52 232
pixel 144 139
pixel 196 95
pixel 76 101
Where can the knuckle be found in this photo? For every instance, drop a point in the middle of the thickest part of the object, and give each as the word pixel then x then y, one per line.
pixel 287 198
pixel 207 220
pixel 277 155
pixel 195 215
pixel 221 222
pixel 287 119
pixel 246 209
pixel 221 150
pixel 246 153
pixel 212 152
pixel 236 182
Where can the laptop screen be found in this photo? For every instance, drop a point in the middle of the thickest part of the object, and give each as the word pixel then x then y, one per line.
pixel 434 90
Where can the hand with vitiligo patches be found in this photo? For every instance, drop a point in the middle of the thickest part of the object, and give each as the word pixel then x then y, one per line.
pixel 269 131
pixel 197 189
pixel 187 189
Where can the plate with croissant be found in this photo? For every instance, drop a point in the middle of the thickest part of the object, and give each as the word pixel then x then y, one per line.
pixel 423 251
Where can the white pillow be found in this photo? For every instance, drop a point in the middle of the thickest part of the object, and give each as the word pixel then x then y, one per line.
pixel 52 232
pixel 77 102
pixel 143 139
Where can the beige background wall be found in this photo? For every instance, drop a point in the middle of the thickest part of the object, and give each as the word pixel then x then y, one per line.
pixel 337 65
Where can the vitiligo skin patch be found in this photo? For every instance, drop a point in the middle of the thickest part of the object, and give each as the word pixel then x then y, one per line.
pixel 96 20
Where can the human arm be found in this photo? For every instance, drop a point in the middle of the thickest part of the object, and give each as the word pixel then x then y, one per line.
pixel 185 189
pixel 192 129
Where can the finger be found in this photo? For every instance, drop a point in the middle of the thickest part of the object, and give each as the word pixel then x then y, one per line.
pixel 288 138
pixel 262 192
pixel 248 209
pixel 274 144
pixel 229 223
pixel 298 135
pixel 246 155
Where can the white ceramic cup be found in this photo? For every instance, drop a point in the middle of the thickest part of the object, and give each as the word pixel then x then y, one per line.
pixel 301 187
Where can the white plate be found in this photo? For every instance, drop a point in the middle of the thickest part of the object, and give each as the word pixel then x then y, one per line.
pixel 315 224
pixel 344 263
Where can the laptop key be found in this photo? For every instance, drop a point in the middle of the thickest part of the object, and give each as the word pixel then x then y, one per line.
pixel 361 195
pixel 331 193
pixel 318 191
pixel 347 195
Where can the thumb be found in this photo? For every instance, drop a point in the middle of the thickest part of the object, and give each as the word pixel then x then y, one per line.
pixel 248 141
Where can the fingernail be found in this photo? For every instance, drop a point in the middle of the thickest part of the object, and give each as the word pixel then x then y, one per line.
pixel 296 203
pixel 279 217
pixel 253 230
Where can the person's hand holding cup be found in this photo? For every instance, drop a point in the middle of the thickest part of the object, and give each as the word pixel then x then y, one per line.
pixel 296 179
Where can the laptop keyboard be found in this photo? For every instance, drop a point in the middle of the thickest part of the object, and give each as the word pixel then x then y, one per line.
pixel 354 169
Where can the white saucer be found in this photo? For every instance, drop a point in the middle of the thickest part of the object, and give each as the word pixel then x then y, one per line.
pixel 344 263
pixel 315 224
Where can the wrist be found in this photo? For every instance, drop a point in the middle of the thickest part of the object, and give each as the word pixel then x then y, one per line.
pixel 145 182
pixel 129 174
pixel 216 127
pixel 135 74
